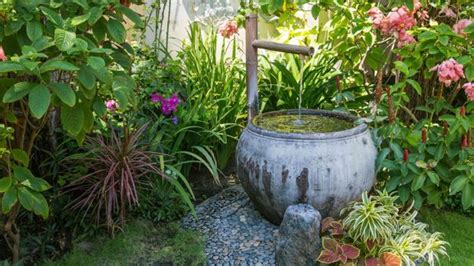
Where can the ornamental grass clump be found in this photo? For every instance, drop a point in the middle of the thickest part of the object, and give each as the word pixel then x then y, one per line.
pixel 378 231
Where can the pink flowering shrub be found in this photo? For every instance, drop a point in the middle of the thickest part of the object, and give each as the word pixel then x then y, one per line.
pixel 469 90
pixel 449 71
pixel 396 22
pixel 228 28
pixel 461 25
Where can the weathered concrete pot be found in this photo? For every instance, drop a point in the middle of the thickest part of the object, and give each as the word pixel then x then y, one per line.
pixel 326 170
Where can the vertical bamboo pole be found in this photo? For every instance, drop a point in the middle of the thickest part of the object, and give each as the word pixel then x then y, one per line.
pixel 251 65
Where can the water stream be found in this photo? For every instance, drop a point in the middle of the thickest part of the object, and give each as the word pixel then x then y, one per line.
pixel 299 121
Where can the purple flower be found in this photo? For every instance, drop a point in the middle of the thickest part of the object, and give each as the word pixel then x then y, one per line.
pixel 112 105
pixel 155 97
pixel 168 105
pixel 175 120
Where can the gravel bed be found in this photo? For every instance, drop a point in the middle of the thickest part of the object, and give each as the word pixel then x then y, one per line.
pixel 236 233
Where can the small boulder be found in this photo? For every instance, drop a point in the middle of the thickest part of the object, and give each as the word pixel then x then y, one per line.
pixel 298 241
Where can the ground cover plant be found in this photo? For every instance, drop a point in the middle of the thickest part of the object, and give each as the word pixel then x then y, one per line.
pixel 378 231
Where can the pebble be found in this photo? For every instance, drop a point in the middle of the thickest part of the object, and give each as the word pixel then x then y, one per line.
pixel 236 233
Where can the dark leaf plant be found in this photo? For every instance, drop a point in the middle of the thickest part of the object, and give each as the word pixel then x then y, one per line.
pixel 117 166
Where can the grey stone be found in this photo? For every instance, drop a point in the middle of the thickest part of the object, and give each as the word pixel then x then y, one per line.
pixel 298 242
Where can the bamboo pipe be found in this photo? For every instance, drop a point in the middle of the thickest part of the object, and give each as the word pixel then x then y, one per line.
pixel 252 44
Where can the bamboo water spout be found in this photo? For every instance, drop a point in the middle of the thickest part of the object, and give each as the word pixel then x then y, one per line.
pixel 252 44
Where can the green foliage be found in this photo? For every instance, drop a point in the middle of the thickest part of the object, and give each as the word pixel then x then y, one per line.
pixel 140 243
pixel 44 44
pixel 384 232
pixel 209 78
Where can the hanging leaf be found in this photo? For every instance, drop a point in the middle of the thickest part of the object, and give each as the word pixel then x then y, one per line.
pixel 34 30
pixel 116 31
pixel 39 100
pixel 86 77
pixel 72 120
pixel 9 199
pixel 6 67
pixel 5 184
pixel 52 16
pixel 132 15
pixel 18 91
pixel 36 184
pixel 55 64
pixel 75 21
pixel 21 156
pixel 64 93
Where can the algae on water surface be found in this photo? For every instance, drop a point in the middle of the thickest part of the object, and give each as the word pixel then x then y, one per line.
pixel 293 123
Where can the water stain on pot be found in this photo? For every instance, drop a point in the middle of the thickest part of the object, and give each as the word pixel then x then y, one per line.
pixel 302 183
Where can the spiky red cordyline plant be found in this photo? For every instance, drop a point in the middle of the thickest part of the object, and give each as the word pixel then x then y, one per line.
pixel 115 166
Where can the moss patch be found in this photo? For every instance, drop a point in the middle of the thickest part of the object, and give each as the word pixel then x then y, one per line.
pixel 458 230
pixel 140 243
pixel 302 124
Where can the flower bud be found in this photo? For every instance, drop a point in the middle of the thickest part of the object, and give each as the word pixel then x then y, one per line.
pixel 445 128
pixel 462 111
pixel 464 142
pixel 405 155
pixel 423 135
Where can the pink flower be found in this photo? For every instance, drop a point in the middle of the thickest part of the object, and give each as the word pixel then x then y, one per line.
pixel 404 38
pixel 461 25
pixel 448 12
pixel 423 15
pixel 3 57
pixel 398 20
pixel 376 15
pixel 228 28
pixel 469 90
pixel 112 105
pixel 401 19
pixel 449 71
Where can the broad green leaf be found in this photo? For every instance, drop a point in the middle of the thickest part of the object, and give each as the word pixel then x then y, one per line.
pixel 18 91
pixel 9 199
pixel 433 177
pixel 36 184
pixel 55 64
pixel 397 150
pixel 72 120
pixel 132 15
pixel 381 157
pixel 82 3
pixel 25 197
pixel 52 16
pixel 402 67
pixel 427 35
pixel 20 156
pixel 13 26
pixel 467 196
pixel 95 15
pixel 95 62
pixel 64 40
pixel 104 75
pixel 80 19
pixel 469 72
pixel 418 182
pixel 39 99
pixel 5 184
pixel 404 193
pixel 8 66
pixel 415 85
pixel 86 77
pixel 22 173
pixel 42 43
pixel 457 184
pixel 116 31
pixel 315 11
pixel 64 93
pixel 409 4
pixel 40 206
pixel 34 30
pixel 375 58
